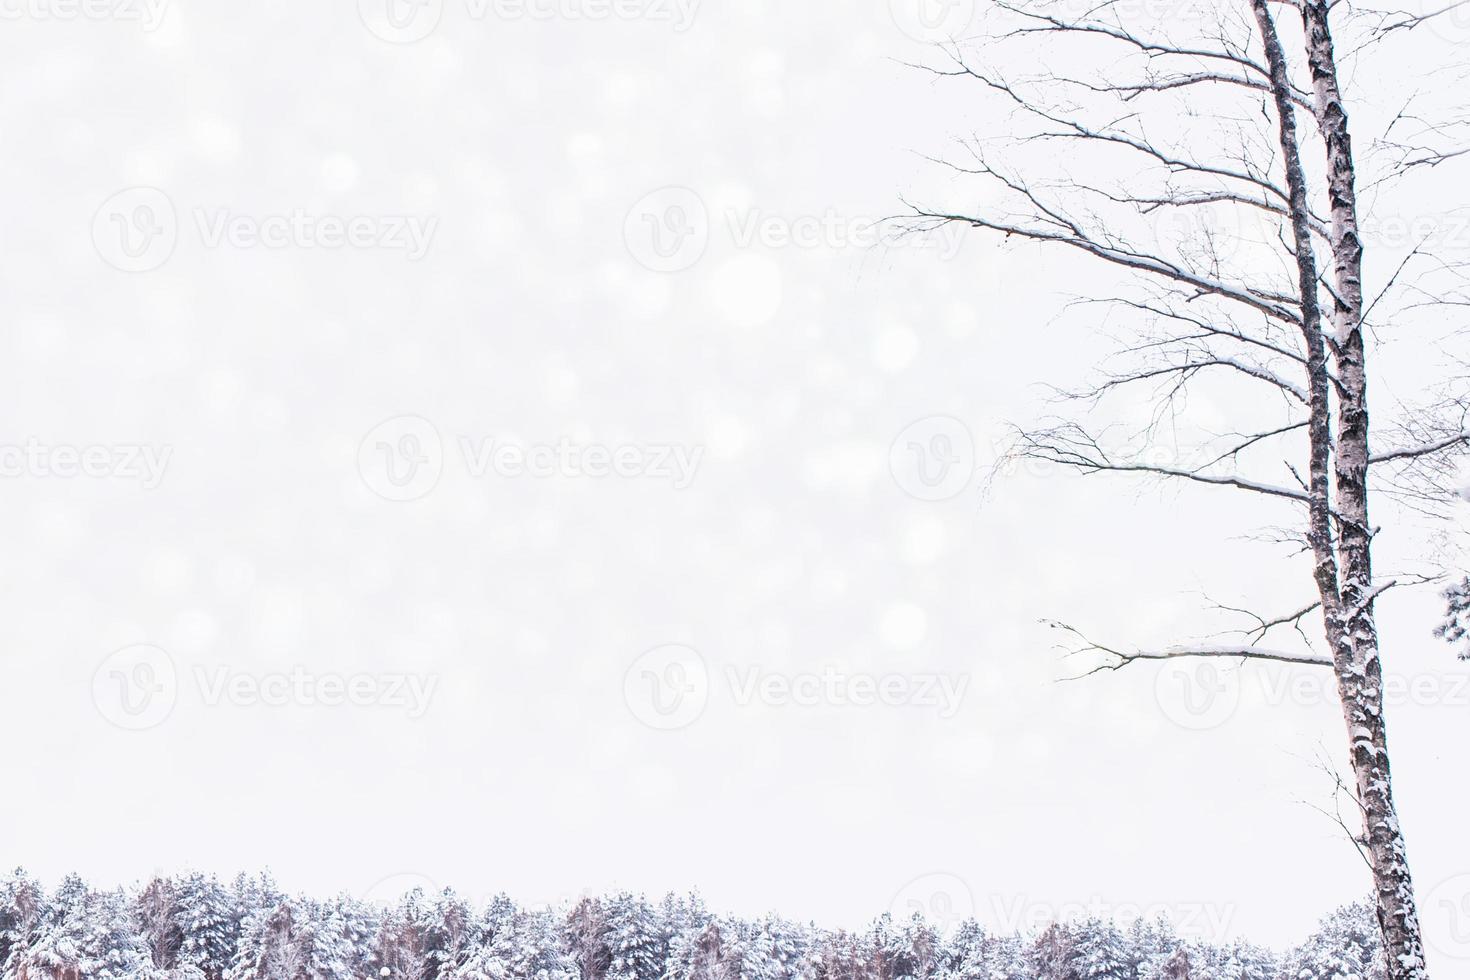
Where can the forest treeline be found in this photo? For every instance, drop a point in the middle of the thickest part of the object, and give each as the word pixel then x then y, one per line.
pixel 193 927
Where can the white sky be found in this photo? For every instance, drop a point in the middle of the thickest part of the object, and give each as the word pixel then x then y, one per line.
pixel 528 600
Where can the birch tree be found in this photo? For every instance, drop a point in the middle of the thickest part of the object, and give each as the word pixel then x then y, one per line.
pixel 1216 121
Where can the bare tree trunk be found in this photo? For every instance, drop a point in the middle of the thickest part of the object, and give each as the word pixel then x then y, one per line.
pixel 1355 650
pixel 1210 312
pixel 1319 426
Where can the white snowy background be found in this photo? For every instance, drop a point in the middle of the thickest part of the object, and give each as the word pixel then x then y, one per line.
pixel 803 544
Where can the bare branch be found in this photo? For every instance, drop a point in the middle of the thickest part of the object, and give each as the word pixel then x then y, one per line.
pixel 1149 46
pixel 1264 626
pixel 1070 445
pixel 1169 83
pixel 1119 659
pixel 1276 305
pixel 1193 366
pixel 1426 449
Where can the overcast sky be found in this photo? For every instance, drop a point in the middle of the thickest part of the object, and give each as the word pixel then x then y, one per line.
pixel 483 449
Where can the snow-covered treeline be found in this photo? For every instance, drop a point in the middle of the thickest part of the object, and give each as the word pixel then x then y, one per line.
pixel 195 928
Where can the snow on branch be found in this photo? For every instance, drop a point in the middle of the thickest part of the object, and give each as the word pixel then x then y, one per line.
pixel 1068 444
pixel 1116 659
pixel 1273 304
pixel 1153 47
pixel 1424 449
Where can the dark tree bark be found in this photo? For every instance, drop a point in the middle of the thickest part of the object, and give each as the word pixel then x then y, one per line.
pixel 1355 650
pixel 1218 320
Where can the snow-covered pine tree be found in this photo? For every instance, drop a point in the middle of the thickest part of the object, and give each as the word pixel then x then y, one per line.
pixel 538 950
pixel 270 947
pixel 749 952
pixel 923 948
pixel 685 920
pixel 1005 958
pixel 208 926
pixel 1099 952
pixel 635 939
pixel 699 944
pixel 54 949
pixel 1456 626
pixel 962 957
pixel 683 956
pixel 255 895
pixel 84 935
pixel 325 946
pixel 838 956
pixel 451 931
pixel 360 925
pixel 1345 947
pixel 1252 962
pixel 22 904
pixel 1053 954
pixel 708 956
pixel 112 946
pixel 484 948
pixel 892 957
pixel 403 940
pixel 788 940
pixel 1152 943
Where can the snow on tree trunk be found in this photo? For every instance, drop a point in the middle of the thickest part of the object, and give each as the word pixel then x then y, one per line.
pixel 1355 650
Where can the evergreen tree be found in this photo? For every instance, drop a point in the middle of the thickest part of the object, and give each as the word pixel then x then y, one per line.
pixel 1005 958
pixel 450 930
pixel 22 904
pixel 635 940
pixel 326 952
pixel 1253 962
pixel 1345 947
pixel 1099 953
pixel 840 956
pixel 270 946
pixel 208 927
pixel 539 952
pixel 702 955
pixel 749 952
pixel 403 940
pixel 54 950
pixel 360 926
pixel 1053 955
pixel 192 928
pixel 112 946
pixel 1152 945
